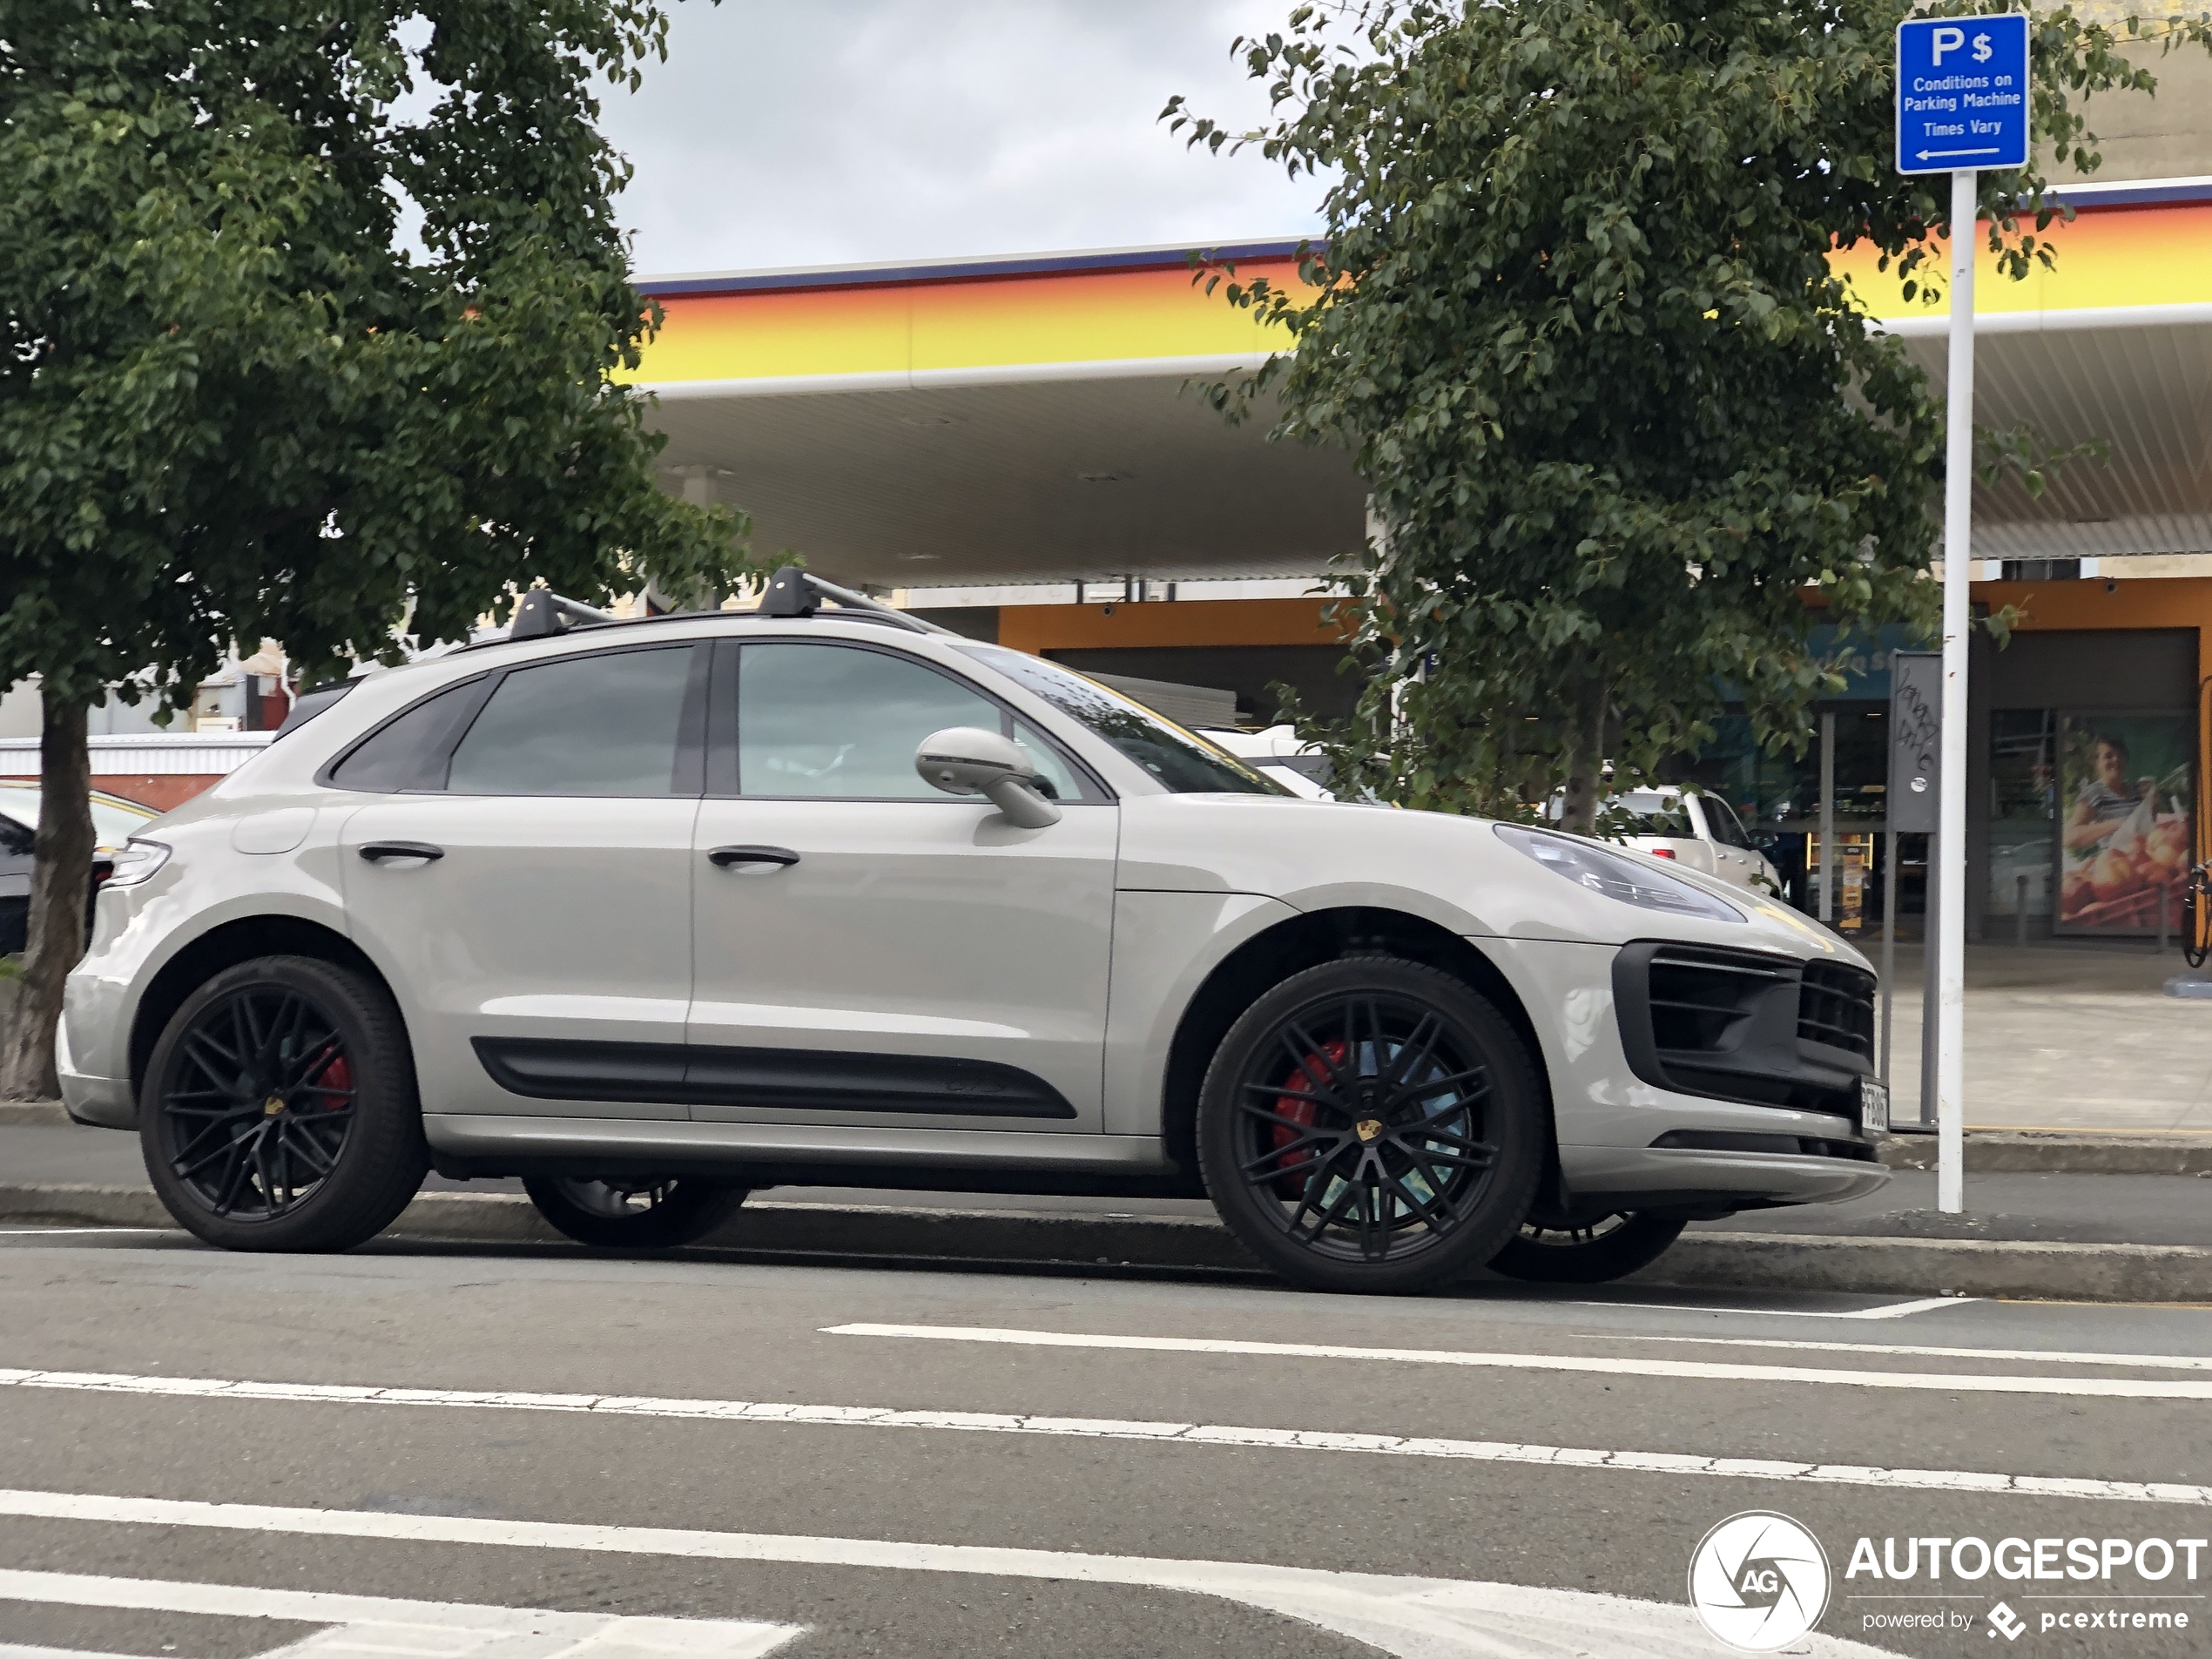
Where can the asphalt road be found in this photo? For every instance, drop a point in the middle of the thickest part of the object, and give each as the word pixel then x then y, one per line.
pixel 817 1461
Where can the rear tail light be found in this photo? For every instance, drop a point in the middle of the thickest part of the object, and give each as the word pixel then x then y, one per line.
pixel 1662 851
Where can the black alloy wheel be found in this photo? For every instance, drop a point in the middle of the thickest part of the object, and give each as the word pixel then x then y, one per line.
pixel 1585 1250
pixel 643 1213
pixel 1370 1124
pixel 279 1112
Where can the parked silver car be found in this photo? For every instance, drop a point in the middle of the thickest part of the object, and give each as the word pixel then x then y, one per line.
pixel 651 914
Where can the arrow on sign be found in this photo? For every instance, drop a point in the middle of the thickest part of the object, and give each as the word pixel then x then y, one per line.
pixel 1938 155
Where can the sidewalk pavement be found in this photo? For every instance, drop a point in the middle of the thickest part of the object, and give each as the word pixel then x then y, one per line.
pixel 2067 1036
pixel 2097 1237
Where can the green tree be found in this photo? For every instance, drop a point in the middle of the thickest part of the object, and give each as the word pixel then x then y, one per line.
pixel 313 309
pixel 1573 318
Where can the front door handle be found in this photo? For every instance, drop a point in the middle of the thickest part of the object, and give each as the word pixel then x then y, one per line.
pixel 727 857
pixel 377 852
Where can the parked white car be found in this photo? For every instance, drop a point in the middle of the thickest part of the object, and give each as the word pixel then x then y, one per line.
pixel 650 914
pixel 1700 831
pixel 1279 753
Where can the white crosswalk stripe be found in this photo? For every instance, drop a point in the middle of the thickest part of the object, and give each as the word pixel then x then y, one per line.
pixel 792 1415
pixel 1413 1618
pixel 369 1626
pixel 1956 1382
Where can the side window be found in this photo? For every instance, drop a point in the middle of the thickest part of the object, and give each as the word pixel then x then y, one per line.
pixel 409 752
pixel 606 724
pixel 16 839
pixel 1721 819
pixel 836 722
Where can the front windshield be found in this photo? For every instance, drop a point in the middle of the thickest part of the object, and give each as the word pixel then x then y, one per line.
pixel 1185 763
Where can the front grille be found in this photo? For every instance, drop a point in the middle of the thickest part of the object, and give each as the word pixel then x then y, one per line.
pixel 1700 1000
pixel 1739 1141
pixel 1836 1007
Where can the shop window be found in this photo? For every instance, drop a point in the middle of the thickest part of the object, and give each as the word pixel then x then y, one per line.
pixel 2041 570
pixel 2023 802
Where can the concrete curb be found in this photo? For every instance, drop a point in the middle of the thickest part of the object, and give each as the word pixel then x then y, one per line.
pixel 1702 1260
pixel 1992 1151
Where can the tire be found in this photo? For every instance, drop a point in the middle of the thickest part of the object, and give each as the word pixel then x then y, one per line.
pixel 279 1109
pixel 640 1215
pixel 1303 1122
pixel 1553 1251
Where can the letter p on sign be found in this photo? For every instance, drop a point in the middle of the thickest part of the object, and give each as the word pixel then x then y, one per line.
pixel 1947 40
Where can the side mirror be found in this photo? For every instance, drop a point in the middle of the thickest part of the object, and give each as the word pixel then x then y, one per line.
pixel 967 760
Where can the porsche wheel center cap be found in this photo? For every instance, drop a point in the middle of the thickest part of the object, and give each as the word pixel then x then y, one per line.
pixel 1368 1128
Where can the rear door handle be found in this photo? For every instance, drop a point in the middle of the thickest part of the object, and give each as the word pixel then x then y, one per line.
pixel 377 852
pixel 726 857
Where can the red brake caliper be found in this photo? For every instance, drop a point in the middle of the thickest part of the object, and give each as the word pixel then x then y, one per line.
pixel 1294 1109
pixel 338 1079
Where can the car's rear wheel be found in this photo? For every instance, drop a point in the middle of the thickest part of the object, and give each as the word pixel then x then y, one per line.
pixel 1551 1249
pixel 1370 1124
pixel 279 1109
pixel 642 1214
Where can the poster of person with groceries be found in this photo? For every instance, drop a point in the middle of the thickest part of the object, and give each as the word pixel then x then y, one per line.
pixel 2125 790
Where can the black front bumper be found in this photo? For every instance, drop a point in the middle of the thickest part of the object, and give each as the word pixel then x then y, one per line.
pixel 1751 1027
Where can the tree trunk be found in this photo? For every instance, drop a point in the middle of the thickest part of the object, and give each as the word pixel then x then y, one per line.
pixel 1586 764
pixel 61 886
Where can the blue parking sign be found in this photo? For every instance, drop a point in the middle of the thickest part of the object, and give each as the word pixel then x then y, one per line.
pixel 1961 93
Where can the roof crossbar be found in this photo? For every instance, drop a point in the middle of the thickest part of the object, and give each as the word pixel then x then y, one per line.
pixel 795 592
pixel 542 613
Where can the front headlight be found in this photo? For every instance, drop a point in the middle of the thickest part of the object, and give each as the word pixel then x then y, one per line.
pixel 1592 867
pixel 134 861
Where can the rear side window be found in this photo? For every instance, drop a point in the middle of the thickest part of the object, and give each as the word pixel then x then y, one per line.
pixel 612 724
pixel 409 752
pixel 1721 819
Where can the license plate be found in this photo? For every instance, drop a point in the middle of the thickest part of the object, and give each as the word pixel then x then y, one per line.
pixel 1873 1105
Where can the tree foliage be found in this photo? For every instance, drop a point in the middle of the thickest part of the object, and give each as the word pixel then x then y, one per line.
pixel 313 309
pixel 1574 317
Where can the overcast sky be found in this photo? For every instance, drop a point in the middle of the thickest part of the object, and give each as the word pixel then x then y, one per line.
pixel 818 131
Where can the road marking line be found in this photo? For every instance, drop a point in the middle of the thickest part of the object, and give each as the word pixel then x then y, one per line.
pixel 1107 1428
pixel 1891 1310
pixel 2161 1361
pixel 1593 1364
pixel 49 1232
pixel 376 1624
pixel 1419 1618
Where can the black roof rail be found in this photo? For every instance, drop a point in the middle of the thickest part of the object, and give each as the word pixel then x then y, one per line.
pixel 791 592
pixel 795 592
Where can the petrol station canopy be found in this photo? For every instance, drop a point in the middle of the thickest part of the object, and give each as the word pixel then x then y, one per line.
pixel 1037 420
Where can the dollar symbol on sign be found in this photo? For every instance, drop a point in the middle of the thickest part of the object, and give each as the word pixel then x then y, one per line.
pixel 1981 49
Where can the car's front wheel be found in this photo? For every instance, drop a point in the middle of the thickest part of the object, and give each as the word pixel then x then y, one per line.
pixel 1586 1250
pixel 279 1109
pixel 642 1214
pixel 1370 1124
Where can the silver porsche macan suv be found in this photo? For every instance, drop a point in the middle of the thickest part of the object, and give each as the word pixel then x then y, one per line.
pixel 654 914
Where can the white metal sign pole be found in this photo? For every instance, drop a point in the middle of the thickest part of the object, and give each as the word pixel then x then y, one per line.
pixel 1951 837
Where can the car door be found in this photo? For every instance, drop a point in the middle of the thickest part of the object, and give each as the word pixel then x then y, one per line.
pixel 523 869
pixel 868 950
pixel 1734 859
